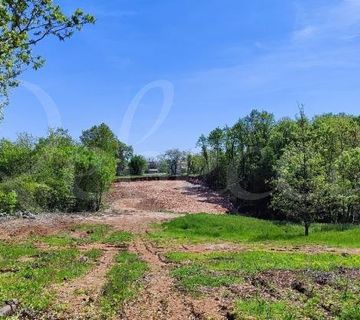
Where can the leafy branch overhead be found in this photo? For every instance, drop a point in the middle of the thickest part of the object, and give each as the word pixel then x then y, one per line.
pixel 23 24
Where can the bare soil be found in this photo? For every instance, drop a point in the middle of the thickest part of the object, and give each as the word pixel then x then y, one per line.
pixel 174 196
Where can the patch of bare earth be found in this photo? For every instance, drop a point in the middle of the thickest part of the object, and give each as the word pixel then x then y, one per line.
pixel 174 196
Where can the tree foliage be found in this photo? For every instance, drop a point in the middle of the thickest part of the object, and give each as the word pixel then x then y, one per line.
pixel 137 165
pixel 174 159
pixel 299 169
pixel 23 24
pixel 55 173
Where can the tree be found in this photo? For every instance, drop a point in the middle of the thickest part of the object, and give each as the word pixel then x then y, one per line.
pixel 137 165
pixel 195 164
pixel 203 144
pixel 299 177
pixel 23 24
pixel 174 158
pixel 125 153
pixel 348 182
pixel 101 137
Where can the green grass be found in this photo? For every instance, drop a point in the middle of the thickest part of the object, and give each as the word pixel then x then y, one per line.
pixel 30 271
pixel 118 238
pixel 339 303
pixel 257 308
pixel 195 270
pixel 121 283
pixel 212 228
pixel 194 277
pixel 90 233
pixel 26 272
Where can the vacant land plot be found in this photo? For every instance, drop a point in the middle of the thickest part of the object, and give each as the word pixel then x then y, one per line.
pixel 146 264
pixel 174 196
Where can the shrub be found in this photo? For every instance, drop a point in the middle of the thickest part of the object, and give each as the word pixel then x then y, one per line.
pixel 14 158
pixel 30 195
pixel 94 173
pixel 54 167
pixel 8 201
pixel 137 165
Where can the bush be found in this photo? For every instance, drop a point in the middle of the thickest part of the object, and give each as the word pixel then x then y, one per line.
pixel 14 158
pixel 56 173
pixel 94 173
pixel 137 165
pixel 54 167
pixel 8 201
pixel 30 195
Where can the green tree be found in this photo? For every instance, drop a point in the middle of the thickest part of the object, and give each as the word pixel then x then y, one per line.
pixel 125 153
pixel 8 201
pixel 299 177
pixel 137 165
pixel 23 24
pixel 174 159
pixel 94 173
pixel 348 182
pixel 101 137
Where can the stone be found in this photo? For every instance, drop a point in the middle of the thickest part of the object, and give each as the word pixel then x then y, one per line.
pixel 9 308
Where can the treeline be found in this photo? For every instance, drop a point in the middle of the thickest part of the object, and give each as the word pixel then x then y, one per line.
pixel 57 173
pixel 305 169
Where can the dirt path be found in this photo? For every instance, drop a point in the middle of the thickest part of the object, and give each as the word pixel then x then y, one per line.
pixel 79 296
pixel 159 299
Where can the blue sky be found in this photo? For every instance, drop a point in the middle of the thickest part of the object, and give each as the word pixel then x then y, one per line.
pixel 162 72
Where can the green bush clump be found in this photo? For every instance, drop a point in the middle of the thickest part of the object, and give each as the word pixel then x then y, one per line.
pixel 8 201
pixel 137 165
pixel 56 173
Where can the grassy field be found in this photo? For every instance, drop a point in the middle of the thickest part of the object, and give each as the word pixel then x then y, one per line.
pixel 261 270
pixel 211 228
pixel 29 268
pixel 269 283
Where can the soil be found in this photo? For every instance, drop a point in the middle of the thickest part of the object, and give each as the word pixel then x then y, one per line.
pixel 174 196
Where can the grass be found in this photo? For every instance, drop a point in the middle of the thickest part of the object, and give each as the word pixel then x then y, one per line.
pixel 121 283
pixel 212 228
pixel 196 270
pixel 89 233
pixel 27 272
pixel 332 303
pixel 258 308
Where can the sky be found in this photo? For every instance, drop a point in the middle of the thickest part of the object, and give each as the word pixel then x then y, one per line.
pixel 162 72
